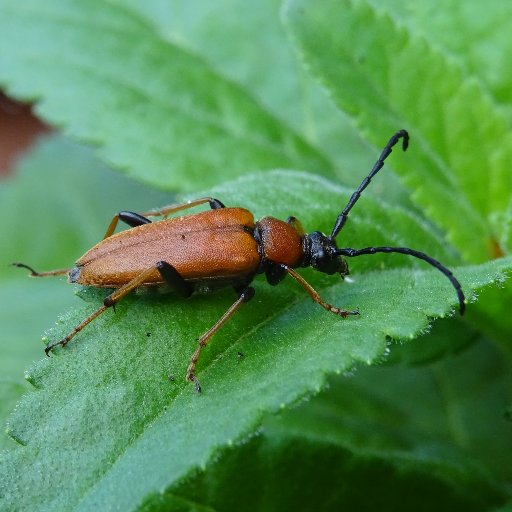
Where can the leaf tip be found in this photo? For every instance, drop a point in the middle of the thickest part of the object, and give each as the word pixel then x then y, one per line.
pixel 32 379
pixel 12 434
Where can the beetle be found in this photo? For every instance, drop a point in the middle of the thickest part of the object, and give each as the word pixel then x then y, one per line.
pixel 220 246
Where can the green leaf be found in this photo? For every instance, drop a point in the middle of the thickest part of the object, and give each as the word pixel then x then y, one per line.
pixel 156 111
pixel 414 432
pixel 423 414
pixel 492 315
pixel 10 393
pixel 452 122
pixel 452 25
pixel 276 81
pixel 296 473
pixel 446 337
pixel 112 430
pixel 27 309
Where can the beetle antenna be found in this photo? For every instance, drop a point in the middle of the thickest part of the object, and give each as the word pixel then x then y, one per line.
pixel 342 217
pixel 411 252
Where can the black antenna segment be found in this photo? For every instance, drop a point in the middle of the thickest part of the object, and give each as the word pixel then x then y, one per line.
pixel 342 217
pixel 411 252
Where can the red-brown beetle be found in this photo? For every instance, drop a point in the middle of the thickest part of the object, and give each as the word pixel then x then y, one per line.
pixel 221 246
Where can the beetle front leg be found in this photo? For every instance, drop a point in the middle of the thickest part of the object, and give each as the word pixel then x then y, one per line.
pixel 245 296
pixel 315 296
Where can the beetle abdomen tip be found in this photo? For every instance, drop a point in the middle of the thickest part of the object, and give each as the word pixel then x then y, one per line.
pixel 74 274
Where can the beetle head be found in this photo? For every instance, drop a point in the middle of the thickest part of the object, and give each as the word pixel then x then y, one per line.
pixel 322 254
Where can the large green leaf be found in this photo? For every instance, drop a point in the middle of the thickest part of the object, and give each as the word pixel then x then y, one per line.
pixel 412 430
pixel 446 337
pixel 450 412
pixel 450 25
pixel 453 122
pixel 105 75
pixel 277 80
pixel 105 427
pixel 112 430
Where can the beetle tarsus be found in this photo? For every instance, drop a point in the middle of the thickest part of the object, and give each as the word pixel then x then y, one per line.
pixel 51 346
pixel 192 378
pixel 343 313
pixel 33 273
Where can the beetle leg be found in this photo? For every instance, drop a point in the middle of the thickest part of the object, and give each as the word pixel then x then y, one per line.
pixel 109 301
pixel 34 273
pixel 137 219
pixel 293 221
pixel 173 278
pixel 215 204
pixel 245 296
pixel 315 296
pixel 131 218
pixel 274 273
pixel 76 330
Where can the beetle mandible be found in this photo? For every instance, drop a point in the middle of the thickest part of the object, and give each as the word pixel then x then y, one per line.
pixel 221 246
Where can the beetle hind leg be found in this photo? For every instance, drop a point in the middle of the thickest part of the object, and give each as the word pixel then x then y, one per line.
pixel 109 301
pixel 245 296
pixel 64 341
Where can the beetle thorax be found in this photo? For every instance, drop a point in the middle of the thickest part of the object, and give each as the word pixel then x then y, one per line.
pixel 279 242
